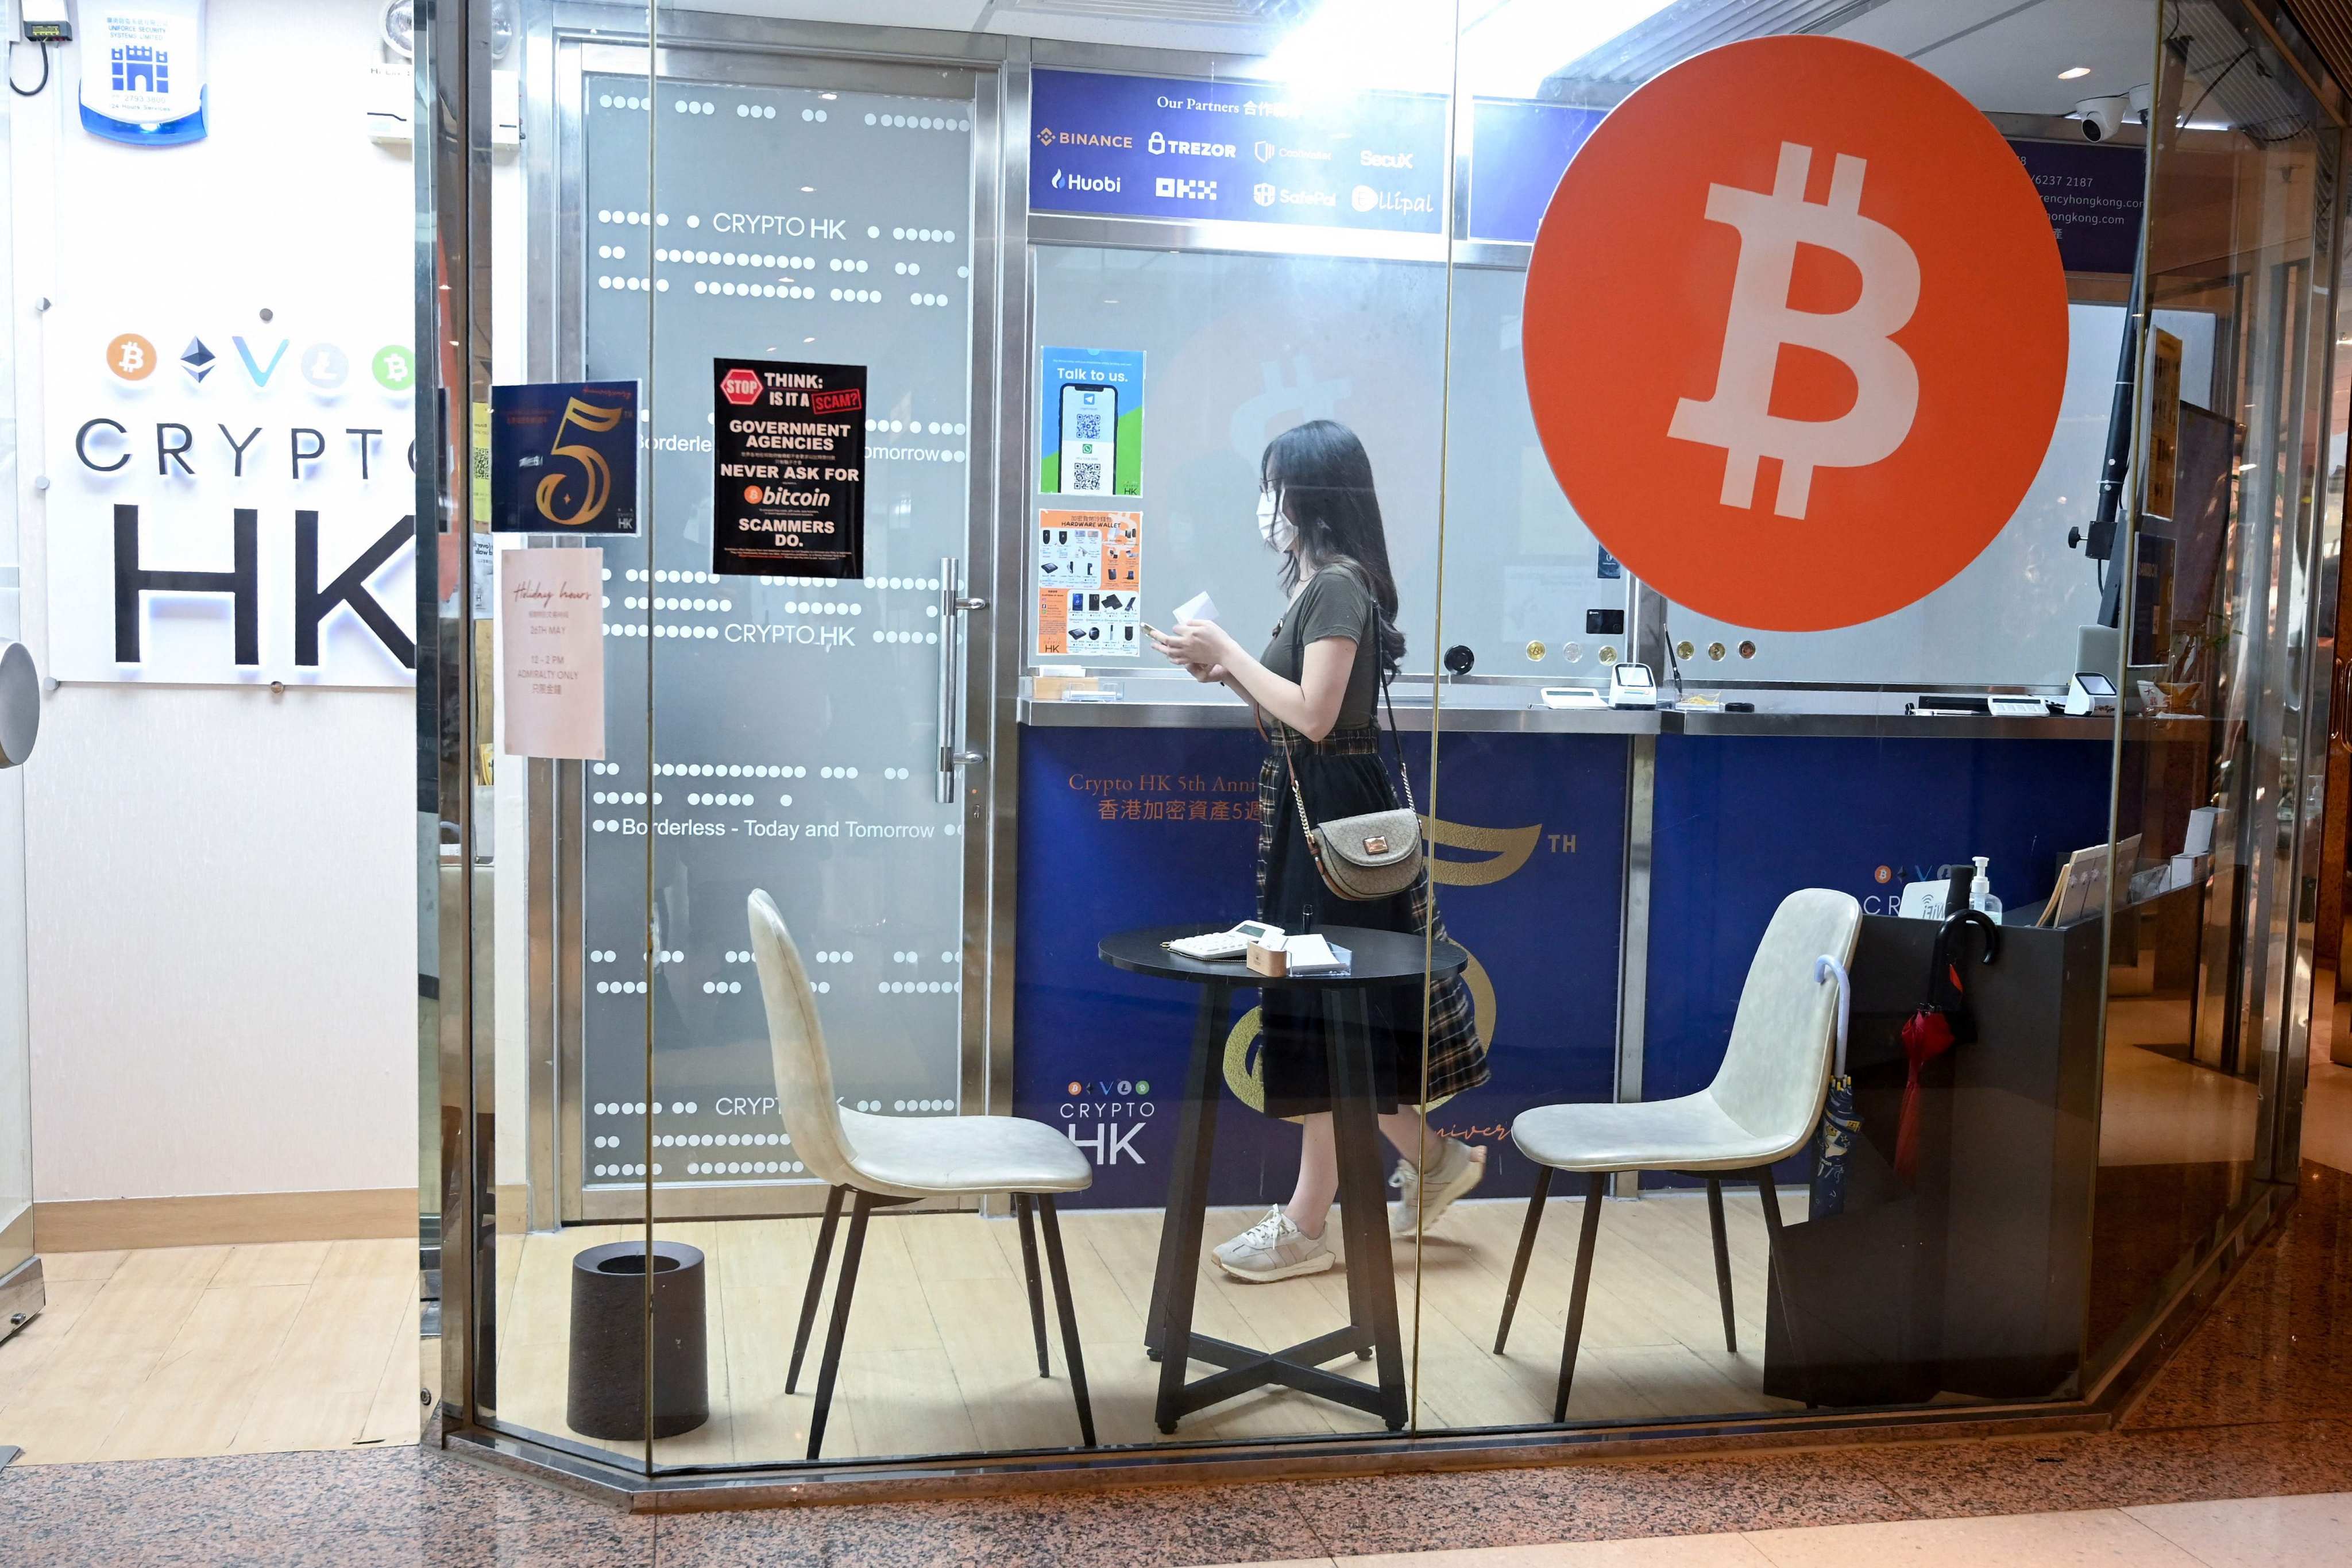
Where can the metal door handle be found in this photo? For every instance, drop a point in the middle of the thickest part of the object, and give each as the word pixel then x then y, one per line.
pixel 952 603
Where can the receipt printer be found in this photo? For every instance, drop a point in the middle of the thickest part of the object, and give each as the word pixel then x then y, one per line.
pixel 2090 693
pixel 1631 686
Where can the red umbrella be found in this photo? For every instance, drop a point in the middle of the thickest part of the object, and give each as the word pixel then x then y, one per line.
pixel 1943 1021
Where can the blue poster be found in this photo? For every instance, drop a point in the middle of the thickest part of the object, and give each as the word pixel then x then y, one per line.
pixel 563 457
pixel 1122 828
pixel 1136 146
pixel 1090 422
pixel 1518 150
pixel 2094 195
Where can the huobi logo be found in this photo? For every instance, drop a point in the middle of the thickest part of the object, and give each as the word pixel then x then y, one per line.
pixel 1104 1117
pixel 1100 184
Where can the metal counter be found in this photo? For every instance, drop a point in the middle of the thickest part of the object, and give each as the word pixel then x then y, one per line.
pixel 1162 703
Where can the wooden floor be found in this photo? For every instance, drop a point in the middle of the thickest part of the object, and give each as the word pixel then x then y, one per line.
pixel 192 1350
pixel 940 1359
pixel 187 1352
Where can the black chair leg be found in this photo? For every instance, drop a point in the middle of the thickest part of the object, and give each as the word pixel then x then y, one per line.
pixel 1588 1238
pixel 816 1284
pixel 842 1291
pixel 1722 1260
pixel 1069 1315
pixel 1021 1202
pixel 1526 1246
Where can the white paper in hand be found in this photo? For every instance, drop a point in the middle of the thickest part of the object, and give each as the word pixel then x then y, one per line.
pixel 1199 607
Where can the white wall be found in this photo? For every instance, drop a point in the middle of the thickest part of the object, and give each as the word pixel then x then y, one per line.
pixel 221 881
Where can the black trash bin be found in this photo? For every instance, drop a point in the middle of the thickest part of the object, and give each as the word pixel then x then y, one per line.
pixel 606 1393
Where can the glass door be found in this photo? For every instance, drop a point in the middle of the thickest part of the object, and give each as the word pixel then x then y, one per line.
pixel 798 733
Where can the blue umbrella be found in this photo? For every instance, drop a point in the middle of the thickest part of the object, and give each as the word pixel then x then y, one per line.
pixel 1840 1125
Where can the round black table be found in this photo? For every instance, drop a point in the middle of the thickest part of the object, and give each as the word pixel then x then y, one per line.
pixel 1375 958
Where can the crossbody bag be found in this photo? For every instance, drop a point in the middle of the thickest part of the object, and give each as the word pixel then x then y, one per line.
pixel 1376 855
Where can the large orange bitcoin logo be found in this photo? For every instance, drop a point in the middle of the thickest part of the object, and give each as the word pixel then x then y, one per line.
pixel 1796 333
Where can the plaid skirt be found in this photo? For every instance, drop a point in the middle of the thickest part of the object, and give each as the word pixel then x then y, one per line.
pixel 1344 776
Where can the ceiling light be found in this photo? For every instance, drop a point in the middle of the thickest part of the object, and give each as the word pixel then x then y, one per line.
pixel 2071 72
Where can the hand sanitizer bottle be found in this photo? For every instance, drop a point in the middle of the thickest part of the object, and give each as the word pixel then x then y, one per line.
pixel 1980 891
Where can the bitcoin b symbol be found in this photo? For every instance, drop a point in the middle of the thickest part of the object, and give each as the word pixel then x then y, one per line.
pixel 1737 417
pixel 130 356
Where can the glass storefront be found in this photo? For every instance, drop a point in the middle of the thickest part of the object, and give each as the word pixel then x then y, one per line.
pixel 815 1088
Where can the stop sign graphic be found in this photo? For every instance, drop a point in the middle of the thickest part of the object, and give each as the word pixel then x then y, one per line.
pixel 742 386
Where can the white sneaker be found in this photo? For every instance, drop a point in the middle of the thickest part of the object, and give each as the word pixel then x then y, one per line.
pixel 1459 1168
pixel 1275 1249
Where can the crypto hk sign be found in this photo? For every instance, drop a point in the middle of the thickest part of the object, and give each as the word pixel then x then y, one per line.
pixel 1796 333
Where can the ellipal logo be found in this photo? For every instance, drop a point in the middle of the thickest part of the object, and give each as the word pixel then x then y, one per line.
pixel 1364 198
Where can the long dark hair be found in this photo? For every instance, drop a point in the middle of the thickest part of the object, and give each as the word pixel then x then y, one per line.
pixel 1325 480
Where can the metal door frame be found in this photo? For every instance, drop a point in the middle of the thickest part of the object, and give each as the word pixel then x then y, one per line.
pixel 752 52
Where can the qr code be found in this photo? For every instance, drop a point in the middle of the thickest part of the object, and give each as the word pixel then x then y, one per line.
pixel 1089 427
pixel 1086 476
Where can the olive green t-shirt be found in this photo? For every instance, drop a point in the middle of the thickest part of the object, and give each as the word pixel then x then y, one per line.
pixel 1333 603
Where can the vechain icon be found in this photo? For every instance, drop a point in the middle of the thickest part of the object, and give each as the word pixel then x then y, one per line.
pixel 325 367
pixel 395 367
pixel 132 357
pixel 1818 196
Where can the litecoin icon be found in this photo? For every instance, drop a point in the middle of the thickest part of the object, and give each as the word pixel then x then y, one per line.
pixel 326 367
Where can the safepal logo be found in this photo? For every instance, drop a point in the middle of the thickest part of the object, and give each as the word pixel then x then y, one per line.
pixel 1263 192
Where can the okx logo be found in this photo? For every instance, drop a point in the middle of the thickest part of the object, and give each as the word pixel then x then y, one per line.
pixel 1788 292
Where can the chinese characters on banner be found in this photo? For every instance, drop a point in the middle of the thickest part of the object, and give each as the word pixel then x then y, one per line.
pixel 1090 583
pixel 551 653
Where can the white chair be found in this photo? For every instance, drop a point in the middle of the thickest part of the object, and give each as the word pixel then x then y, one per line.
pixel 888 1160
pixel 1762 1106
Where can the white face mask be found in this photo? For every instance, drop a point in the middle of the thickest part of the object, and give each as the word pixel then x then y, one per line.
pixel 1271 526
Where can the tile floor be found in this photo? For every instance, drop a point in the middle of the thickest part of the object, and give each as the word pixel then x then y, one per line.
pixel 2258 1405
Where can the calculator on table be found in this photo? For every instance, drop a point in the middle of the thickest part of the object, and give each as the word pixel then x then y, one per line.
pixel 1217 944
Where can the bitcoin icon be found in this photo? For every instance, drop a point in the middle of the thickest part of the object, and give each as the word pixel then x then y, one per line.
pixel 1795 333
pixel 1861 336
pixel 132 357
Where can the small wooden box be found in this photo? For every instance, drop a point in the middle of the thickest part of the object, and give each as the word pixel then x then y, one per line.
pixel 1270 961
pixel 1054 688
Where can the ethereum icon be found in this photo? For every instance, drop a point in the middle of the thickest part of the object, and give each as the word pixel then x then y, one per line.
pixel 197 359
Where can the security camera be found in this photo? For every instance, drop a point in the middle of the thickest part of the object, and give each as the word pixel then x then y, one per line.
pixel 2102 117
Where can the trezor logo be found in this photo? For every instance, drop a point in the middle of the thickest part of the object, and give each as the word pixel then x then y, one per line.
pixel 1737 417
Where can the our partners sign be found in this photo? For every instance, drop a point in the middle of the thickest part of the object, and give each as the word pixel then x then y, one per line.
pixel 232 508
